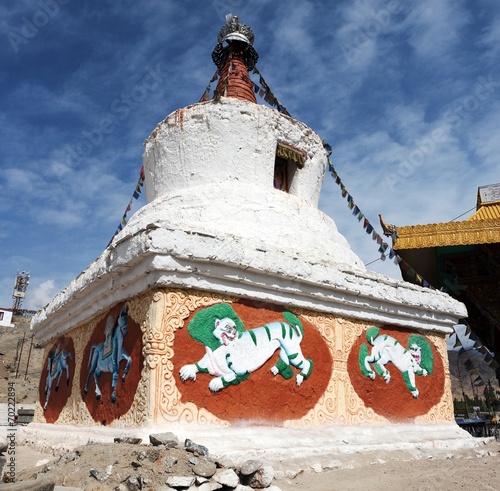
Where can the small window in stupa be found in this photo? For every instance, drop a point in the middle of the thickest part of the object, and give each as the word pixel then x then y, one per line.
pixel 288 160
pixel 281 174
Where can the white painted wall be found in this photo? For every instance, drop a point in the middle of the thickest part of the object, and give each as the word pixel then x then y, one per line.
pixel 229 142
pixel 6 318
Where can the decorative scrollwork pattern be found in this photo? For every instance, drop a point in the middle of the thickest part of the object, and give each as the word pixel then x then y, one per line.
pixel 443 411
pixel 339 404
pixel 168 313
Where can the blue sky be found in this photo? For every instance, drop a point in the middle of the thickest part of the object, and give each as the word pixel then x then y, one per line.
pixel 406 92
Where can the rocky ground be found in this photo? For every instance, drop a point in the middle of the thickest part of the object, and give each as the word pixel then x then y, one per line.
pixel 164 464
pixel 169 465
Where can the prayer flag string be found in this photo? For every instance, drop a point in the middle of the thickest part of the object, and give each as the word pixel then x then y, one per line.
pixel 384 248
pixel 489 357
pixel 135 195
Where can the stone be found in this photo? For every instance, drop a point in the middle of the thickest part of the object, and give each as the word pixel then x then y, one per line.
pixel 197 449
pixel 37 485
pixel 70 456
pixel 242 487
pixel 209 486
pixel 153 454
pixel 226 477
pixel 289 474
pixel 130 440
pixel 262 478
pixel 180 481
pixel 169 461
pixel 225 462
pixel 142 455
pixel 98 475
pixel 41 462
pixel 3 443
pixel 168 439
pixel 250 466
pixel 205 468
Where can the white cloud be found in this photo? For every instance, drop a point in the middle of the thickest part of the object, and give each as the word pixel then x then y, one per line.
pixel 39 294
pixel 434 27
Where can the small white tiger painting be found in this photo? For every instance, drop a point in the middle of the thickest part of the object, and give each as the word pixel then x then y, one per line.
pixel 417 359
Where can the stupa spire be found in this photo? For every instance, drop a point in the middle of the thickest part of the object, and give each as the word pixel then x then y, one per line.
pixel 235 59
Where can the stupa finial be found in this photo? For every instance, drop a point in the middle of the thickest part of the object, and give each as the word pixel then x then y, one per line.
pixel 236 35
pixel 234 30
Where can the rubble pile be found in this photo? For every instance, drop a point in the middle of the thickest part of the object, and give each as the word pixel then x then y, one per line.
pixel 163 465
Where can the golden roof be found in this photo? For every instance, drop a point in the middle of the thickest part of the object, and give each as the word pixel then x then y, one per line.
pixel 481 228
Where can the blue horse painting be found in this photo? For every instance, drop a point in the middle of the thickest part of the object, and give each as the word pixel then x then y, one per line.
pixel 56 365
pixel 106 356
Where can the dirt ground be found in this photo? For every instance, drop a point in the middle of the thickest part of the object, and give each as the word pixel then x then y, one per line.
pixel 477 469
pixel 466 471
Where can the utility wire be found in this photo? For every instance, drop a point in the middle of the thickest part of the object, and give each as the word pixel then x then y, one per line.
pixel 374 261
pixel 465 213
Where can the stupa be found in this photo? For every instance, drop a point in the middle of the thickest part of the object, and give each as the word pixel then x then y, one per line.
pixel 231 299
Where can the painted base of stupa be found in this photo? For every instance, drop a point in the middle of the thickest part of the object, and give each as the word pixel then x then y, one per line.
pixel 165 367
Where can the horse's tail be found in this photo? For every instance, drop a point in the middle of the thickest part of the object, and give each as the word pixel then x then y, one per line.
pixel 91 354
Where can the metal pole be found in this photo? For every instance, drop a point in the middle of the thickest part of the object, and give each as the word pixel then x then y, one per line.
pixel 20 355
pixel 462 385
pixel 28 362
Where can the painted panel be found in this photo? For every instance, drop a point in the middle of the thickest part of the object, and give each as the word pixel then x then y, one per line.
pixel 251 361
pixel 198 358
pixel 56 379
pixel 111 366
pixel 399 374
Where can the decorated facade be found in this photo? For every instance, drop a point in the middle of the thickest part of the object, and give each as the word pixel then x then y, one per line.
pixel 230 298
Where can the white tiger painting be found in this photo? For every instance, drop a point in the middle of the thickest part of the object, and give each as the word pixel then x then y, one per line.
pixel 233 353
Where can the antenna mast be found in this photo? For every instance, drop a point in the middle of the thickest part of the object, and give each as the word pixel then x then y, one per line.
pixel 20 287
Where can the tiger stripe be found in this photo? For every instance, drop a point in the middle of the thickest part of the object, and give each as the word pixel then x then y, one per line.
pixel 253 336
pixel 268 332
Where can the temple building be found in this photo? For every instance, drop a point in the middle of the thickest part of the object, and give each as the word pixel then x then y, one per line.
pixel 231 299
pixel 463 259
